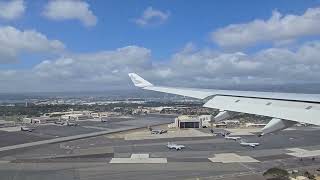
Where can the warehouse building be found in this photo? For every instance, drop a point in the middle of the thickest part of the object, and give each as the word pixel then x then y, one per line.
pixel 188 121
pixel 185 121
pixel 40 120
pixel 4 123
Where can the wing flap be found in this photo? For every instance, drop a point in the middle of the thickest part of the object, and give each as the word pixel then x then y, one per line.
pixel 180 91
pixel 295 111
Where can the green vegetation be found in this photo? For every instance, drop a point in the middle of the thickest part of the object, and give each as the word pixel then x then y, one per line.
pixel 309 175
pixel 20 110
pixel 276 174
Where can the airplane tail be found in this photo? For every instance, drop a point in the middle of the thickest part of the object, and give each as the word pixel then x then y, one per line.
pixel 139 81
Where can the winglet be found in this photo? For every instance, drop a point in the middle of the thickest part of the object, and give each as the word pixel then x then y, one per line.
pixel 139 81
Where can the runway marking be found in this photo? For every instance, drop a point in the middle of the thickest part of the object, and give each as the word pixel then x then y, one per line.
pixel 232 175
pixel 299 152
pixel 138 159
pixel 231 158
pixel 95 127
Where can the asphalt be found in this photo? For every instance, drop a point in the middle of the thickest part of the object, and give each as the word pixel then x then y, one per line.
pixel 47 132
pixel 59 161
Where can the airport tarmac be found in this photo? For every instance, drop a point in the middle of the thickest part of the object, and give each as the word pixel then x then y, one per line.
pixel 52 131
pixel 205 157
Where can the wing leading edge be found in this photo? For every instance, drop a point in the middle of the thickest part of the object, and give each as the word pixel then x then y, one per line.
pixel 304 108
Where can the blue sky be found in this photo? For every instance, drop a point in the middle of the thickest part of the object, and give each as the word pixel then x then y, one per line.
pixel 188 22
pixel 183 24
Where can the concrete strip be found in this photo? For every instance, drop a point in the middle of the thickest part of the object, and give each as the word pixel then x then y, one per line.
pixel 298 152
pixel 11 129
pixel 95 127
pixel 138 159
pixel 231 158
pixel 243 131
pixel 139 156
pixel 142 135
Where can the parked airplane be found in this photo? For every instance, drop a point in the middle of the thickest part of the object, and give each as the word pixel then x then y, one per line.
pixel 175 146
pixel 286 109
pixel 253 145
pixel 235 138
pixel 157 131
pixel 26 129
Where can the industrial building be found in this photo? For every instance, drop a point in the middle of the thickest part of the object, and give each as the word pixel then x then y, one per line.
pixel 76 117
pixel 193 121
pixel 40 120
pixel 4 123
pixel 260 125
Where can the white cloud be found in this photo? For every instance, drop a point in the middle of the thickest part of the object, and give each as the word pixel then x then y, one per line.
pixel 278 28
pixel 105 66
pixel 91 71
pixel 209 68
pixel 152 16
pixel 13 9
pixel 69 10
pixel 189 67
pixel 14 41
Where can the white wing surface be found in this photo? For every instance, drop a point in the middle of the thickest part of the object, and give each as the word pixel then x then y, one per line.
pixel 303 108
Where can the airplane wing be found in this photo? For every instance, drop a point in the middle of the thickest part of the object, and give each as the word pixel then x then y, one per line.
pixel 303 108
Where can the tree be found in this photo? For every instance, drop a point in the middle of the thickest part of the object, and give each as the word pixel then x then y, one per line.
pixel 309 175
pixel 276 174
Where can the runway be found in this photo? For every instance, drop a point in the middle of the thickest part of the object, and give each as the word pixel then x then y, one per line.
pixel 204 157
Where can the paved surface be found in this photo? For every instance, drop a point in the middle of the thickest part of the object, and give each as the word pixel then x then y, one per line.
pixel 138 159
pixel 298 152
pixel 50 132
pixel 232 158
pixel 63 161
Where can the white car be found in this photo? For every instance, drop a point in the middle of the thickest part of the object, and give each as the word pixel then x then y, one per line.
pixel 26 129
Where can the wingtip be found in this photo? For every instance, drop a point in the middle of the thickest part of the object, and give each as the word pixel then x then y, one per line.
pixel 139 81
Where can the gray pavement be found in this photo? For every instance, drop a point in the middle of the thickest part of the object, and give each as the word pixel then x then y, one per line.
pixel 85 128
pixel 60 161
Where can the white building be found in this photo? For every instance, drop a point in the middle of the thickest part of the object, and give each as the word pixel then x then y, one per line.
pixel 255 125
pixel 185 121
pixel 140 111
pixel 188 122
pixel 231 122
pixel 4 123
pixel 206 120
pixel 104 114
pixel 40 120
pixel 76 117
